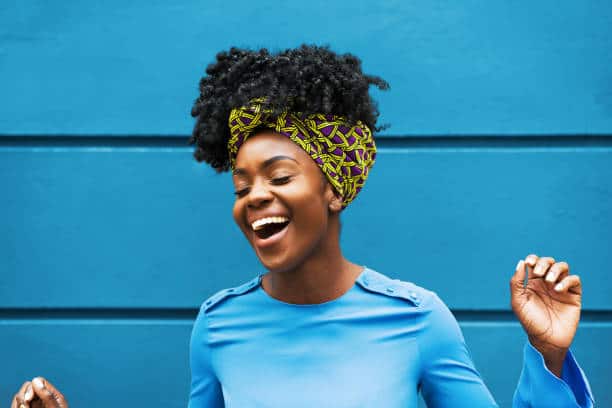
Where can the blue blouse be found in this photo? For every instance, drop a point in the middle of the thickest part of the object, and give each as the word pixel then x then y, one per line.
pixel 377 345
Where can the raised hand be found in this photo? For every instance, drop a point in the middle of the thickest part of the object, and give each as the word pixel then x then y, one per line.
pixel 38 393
pixel 548 306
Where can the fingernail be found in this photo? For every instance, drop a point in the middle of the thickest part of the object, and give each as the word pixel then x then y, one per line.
pixel 559 287
pixel 519 265
pixel 538 270
pixel 38 383
pixel 550 278
pixel 29 393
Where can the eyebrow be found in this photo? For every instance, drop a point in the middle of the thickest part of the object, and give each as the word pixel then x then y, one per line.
pixel 265 164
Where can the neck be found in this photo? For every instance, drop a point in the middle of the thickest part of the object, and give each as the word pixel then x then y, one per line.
pixel 323 276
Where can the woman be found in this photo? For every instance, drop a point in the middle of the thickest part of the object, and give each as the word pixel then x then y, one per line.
pixel 318 330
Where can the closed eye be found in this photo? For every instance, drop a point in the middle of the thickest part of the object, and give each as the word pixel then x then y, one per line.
pixel 281 180
pixel 277 181
pixel 241 192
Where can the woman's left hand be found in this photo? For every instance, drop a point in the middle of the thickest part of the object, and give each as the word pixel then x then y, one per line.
pixel 548 306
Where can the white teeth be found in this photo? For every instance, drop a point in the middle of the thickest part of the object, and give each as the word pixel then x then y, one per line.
pixel 259 224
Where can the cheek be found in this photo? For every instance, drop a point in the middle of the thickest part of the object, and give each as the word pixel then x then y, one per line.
pixel 237 215
pixel 236 212
pixel 311 212
pixel 308 193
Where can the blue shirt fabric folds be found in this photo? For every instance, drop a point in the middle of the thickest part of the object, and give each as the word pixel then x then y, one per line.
pixel 377 345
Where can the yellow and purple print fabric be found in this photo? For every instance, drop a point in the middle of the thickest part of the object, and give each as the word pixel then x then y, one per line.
pixel 345 153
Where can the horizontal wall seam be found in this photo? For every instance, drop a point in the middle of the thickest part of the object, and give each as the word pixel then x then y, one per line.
pixel 98 313
pixel 189 314
pixel 508 316
pixel 390 142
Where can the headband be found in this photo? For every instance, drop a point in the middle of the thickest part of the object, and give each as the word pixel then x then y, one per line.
pixel 344 152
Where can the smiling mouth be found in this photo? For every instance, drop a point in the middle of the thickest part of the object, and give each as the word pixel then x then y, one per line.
pixel 269 230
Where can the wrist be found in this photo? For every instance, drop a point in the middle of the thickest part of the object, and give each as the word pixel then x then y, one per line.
pixel 553 356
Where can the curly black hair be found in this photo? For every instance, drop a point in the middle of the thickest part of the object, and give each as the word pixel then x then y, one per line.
pixel 309 79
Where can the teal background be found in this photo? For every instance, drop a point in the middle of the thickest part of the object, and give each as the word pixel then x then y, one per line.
pixel 111 235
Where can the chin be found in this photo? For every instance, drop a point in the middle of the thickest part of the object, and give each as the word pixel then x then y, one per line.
pixel 275 264
pixel 278 262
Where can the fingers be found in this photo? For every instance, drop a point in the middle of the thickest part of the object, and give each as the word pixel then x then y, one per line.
pixel 24 396
pixel 555 274
pixel 525 269
pixel 41 388
pixel 59 397
pixel 546 268
pixel 48 394
pixel 542 265
pixel 29 393
pixel 571 284
pixel 531 260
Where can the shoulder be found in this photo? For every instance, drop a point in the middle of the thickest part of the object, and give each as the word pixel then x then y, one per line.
pixel 439 326
pixel 425 301
pixel 224 294
pixel 199 331
pixel 376 282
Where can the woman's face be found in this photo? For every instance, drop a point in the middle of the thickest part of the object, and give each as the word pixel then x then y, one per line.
pixel 283 201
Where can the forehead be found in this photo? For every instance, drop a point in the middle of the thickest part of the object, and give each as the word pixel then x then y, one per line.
pixel 267 143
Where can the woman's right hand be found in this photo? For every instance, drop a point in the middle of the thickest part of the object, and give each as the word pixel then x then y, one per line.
pixel 38 393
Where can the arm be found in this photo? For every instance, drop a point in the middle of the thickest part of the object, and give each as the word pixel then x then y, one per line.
pixel 547 302
pixel 550 377
pixel 205 388
pixel 538 387
pixel 448 375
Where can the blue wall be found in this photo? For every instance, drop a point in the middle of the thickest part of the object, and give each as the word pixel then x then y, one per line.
pixel 112 235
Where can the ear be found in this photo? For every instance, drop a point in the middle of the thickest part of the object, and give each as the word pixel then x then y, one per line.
pixel 335 200
pixel 336 204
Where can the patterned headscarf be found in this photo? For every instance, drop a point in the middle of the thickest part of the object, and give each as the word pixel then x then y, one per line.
pixel 344 152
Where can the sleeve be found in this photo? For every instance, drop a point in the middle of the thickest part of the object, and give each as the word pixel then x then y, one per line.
pixel 539 388
pixel 448 376
pixel 205 387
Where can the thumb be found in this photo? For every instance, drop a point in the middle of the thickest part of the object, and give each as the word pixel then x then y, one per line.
pixel 517 282
pixel 48 394
pixel 520 272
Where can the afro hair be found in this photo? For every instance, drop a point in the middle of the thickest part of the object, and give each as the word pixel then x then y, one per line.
pixel 309 79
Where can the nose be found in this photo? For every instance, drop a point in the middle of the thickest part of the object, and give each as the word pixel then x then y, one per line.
pixel 259 195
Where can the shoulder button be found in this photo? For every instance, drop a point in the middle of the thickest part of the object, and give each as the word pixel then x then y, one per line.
pixel 379 283
pixel 225 293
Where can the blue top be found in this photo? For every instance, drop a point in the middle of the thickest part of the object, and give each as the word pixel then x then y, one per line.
pixel 377 345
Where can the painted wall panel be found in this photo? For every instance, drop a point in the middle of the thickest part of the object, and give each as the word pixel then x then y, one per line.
pixel 126 363
pixel 470 67
pixel 111 235
pixel 97 363
pixel 149 227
